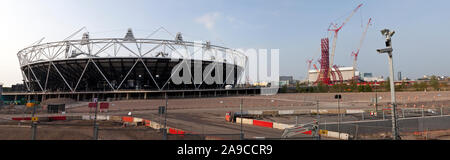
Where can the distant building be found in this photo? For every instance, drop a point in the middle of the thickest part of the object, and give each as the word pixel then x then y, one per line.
pixel 286 80
pixel 368 77
pixel 346 72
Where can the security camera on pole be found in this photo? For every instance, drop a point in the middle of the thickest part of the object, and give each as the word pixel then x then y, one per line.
pixel 388 34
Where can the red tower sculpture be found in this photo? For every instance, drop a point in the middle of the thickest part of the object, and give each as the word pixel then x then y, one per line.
pixel 325 62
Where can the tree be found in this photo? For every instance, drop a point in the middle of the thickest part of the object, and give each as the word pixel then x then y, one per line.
pixel 387 84
pixel 444 85
pixel 367 88
pixel 416 86
pixel 434 83
pixel 322 87
pixel 360 88
pixel 423 86
pixel 403 85
pixel 353 86
pixel 297 87
pixel 284 89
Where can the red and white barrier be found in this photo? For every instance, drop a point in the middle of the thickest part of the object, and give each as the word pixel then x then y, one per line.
pixel 262 123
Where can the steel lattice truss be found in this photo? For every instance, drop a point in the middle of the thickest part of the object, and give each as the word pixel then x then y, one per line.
pixel 110 63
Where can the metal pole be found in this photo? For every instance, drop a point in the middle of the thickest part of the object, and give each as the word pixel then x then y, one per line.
pixel 165 119
pixel 423 115
pixel 383 116
pixel 95 122
pixel 240 106
pixel 403 112
pixel 376 100
pixel 318 115
pixel 441 112
pixel 33 125
pixel 296 120
pixel 339 119
pixel 318 122
pixel 394 105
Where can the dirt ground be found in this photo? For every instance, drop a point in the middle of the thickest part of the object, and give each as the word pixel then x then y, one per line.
pixel 77 130
pixel 206 115
pixel 427 135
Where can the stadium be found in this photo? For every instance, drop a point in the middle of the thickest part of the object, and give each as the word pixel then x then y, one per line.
pixel 128 65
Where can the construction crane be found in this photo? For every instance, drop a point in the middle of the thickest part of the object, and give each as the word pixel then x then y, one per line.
pixel 318 73
pixel 336 31
pixel 336 69
pixel 355 54
pixel 309 68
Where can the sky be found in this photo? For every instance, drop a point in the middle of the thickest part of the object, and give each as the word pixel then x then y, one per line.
pixel 421 43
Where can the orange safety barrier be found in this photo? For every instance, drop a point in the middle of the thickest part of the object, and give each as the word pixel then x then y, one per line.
pixel 104 105
pixel 262 123
pixel 228 118
pixel 21 118
pixel 92 105
pixel 127 119
pixel 30 104
pixel 57 118
pixel 175 131
pixel 147 122
pixel 307 132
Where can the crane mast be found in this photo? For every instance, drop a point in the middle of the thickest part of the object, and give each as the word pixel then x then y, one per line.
pixel 309 68
pixel 336 31
pixel 355 54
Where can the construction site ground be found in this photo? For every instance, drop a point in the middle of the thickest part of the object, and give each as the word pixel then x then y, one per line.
pixel 206 116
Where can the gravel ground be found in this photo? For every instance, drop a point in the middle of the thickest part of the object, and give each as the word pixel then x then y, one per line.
pixel 206 115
